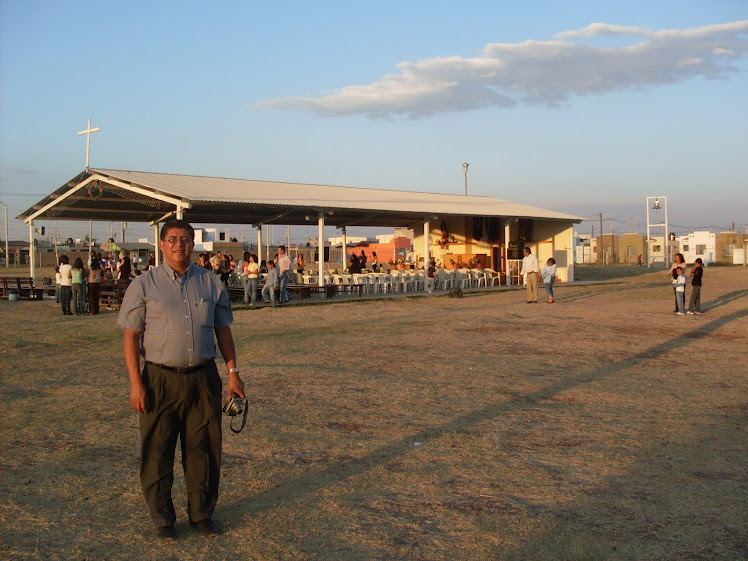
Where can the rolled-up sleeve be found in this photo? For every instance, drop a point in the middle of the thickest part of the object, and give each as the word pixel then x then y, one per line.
pixel 132 312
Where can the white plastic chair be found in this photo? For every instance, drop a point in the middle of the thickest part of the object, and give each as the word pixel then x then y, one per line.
pixel 478 278
pixel 492 277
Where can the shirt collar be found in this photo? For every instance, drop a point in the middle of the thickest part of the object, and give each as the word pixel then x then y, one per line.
pixel 172 274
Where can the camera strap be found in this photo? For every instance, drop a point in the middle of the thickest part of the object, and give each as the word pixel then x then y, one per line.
pixel 244 421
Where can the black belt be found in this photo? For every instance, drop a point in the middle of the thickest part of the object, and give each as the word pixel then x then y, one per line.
pixel 181 369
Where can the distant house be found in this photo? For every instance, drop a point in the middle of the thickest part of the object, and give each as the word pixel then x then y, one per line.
pixel 698 244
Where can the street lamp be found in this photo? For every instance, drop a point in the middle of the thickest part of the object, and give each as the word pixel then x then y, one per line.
pixel 7 255
pixel 656 206
pixel 465 166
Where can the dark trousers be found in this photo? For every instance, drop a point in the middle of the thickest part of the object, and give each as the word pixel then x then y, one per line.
pixel 187 406
pixel 694 305
pixel 66 294
pixel 94 288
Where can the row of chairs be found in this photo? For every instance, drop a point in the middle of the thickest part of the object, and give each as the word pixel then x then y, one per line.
pixel 410 281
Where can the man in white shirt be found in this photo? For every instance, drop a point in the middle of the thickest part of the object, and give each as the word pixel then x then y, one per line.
pixel 530 269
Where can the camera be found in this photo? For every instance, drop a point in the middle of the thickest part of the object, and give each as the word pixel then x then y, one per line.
pixel 235 405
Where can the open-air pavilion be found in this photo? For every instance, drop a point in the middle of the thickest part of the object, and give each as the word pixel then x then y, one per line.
pixel 453 229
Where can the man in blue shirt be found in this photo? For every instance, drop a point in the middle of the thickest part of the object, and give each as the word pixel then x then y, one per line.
pixel 175 310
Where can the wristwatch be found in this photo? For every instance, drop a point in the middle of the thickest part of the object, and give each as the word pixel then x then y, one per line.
pixel 234 369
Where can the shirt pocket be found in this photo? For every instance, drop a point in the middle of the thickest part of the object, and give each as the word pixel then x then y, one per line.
pixel 204 318
pixel 205 313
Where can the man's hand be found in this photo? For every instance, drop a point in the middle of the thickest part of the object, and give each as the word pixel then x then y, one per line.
pixel 138 397
pixel 236 386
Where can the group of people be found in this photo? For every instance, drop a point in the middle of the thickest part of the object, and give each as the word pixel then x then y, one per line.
pixel 677 276
pixel 79 285
pixel 249 271
pixel 357 263
pixel 533 273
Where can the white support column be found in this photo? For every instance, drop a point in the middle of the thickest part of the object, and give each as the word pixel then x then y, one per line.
pixel 156 252
pixel 507 233
pixel 321 247
pixel 180 212
pixel 90 241
pixel 344 250
pixel 32 266
pixel 259 244
pixel 573 252
pixel 426 257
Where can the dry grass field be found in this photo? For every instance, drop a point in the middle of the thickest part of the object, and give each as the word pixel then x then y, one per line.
pixel 601 427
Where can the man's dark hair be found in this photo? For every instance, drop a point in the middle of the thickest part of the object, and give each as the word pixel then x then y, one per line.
pixel 699 261
pixel 176 224
pixel 283 247
pixel 527 249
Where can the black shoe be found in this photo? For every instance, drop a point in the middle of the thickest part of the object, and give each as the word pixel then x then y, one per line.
pixel 207 528
pixel 166 533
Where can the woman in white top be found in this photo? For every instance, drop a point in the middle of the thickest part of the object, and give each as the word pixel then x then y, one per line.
pixel 66 285
pixel 549 277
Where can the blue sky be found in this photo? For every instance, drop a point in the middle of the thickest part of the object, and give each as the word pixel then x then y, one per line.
pixel 547 108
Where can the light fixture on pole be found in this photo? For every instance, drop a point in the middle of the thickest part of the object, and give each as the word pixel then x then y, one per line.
pixel 656 206
pixel 465 167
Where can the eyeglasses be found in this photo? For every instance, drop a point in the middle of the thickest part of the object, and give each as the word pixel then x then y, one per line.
pixel 174 241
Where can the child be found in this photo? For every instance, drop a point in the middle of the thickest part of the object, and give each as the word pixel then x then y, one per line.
pixel 680 291
pixel 549 277
pixel 271 283
pixel 430 275
pixel 694 304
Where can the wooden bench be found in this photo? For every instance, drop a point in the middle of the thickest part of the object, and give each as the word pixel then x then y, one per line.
pixel 23 286
pixel 111 293
pixel 304 291
pixel 350 288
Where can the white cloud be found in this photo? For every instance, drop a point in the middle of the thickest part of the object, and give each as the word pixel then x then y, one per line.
pixel 544 72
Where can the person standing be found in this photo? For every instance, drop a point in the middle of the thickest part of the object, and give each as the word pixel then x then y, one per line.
pixel 549 277
pixel 530 269
pixel 680 290
pixel 678 261
pixel 78 273
pixel 250 269
pixel 66 285
pixel 374 261
pixel 94 287
pixel 362 260
pixel 697 271
pixel 284 265
pixel 271 284
pixel 177 308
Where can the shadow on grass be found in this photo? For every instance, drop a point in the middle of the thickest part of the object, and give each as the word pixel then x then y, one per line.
pixel 724 300
pixel 299 488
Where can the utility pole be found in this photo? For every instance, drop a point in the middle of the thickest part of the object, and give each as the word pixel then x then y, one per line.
pixel 600 245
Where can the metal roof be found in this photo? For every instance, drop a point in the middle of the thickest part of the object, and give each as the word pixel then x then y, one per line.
pixel 102 194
